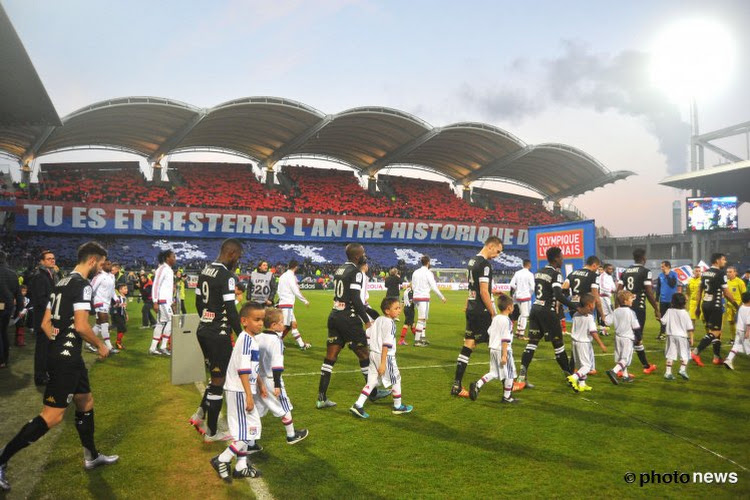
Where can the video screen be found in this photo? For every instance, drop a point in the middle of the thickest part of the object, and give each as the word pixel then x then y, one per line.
pixel 712 213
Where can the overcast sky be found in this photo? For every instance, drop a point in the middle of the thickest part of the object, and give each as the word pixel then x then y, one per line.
pixel 547 71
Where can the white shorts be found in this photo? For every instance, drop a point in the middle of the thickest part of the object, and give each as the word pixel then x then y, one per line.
pixel 277 406
pixel 507 372
pixel 677 347
pixel 623 350
pixel 288 315
pixel 100 307
pixel 423 309
pixel 391 376
pixel 583 352
pixel 741 344
pixel 243 425
pixel 524 308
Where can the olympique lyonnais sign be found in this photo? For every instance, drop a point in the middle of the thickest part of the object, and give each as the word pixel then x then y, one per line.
pixel 206 223
pixel 570 241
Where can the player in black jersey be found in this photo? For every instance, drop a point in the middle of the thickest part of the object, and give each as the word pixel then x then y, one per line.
pixel 479 308
pixel 543 320
pixel 714 288
pixel 215 303
pixel 347 322
pixel 66 324
pixel 583 281
pixel 637 280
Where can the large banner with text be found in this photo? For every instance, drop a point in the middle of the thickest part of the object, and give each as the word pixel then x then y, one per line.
pixel 576 239
pixel 82 218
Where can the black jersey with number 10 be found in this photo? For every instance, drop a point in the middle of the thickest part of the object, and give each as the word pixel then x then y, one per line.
pixel 347 285
pixel 72 293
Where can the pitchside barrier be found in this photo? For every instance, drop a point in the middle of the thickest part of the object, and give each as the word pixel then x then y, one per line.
pixel 188 365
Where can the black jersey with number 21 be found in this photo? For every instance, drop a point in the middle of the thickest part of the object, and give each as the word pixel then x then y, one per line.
pixel 72 293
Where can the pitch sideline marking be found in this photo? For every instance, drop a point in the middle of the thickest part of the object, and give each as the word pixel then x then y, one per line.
pixel 257 484
pixel 667 431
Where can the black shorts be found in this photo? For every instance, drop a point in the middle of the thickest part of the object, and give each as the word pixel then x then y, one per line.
pixel 345 327
pixel 217 349
pixel 408 315
pixel 64 382
pixel 544 323
pixel 712 316
pixel 119 324
pixel 477 324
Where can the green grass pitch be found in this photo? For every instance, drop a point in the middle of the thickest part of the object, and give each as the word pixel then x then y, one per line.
pixel 554 444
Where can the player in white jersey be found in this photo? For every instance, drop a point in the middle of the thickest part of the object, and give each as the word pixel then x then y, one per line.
pixel 607 289
pixel 422 282
pixel 103 286
pixel 679 328
pixel 270 369
pixel 383 368
pixel 742 335
pixel 162 295
pixel 625 322
pixel 584 329
pixel 502 365
pixel 365 294
pixel 522 290
pixel 240 387
pixel 288 290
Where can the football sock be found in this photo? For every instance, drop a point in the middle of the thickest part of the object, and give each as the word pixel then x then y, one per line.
pixel 641 352
pixel 716 344
pixel 487 377
pixel 561 358
pixel 120 336
pixel 705 341
pixel 298 337
pixel 461 363
pixel 731 355
pixel 85 428
pixel 215 398
pixel 668 371
pixel 29 433
pixel 528 356
pixel 104 330
pixel 521 326
pixel 233 450
pixel 288 424
pixel 96 328
pixel 204 402
pixel 396 393
pixel 325 378
pixel 241 463
pixel 364 395
pixel 683 366
pixel 507 388
pixel 165 338
pixel 403 333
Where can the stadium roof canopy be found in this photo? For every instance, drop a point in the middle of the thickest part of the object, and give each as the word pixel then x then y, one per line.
pixel 727 180
pixel 269 129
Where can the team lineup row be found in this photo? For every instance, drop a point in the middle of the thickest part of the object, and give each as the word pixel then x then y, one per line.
pixel 248 375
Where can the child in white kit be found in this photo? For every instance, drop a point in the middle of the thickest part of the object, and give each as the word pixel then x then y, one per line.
pixel 625 321
pixel 584 329
pixel 679 329
pixel 239 388
pixel 502 365
pixel 742 337
pixel 270 368
pixel 383 368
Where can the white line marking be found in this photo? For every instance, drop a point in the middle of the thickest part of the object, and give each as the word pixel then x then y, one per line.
pixel 424 367
pixel 257 484
pixel 666 431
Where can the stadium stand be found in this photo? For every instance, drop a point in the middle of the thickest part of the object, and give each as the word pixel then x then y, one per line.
pixel 193 253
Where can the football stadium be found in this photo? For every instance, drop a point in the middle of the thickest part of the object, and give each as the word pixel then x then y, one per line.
pixel 252 297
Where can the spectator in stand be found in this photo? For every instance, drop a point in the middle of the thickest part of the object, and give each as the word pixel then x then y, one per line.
pixel 40 288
